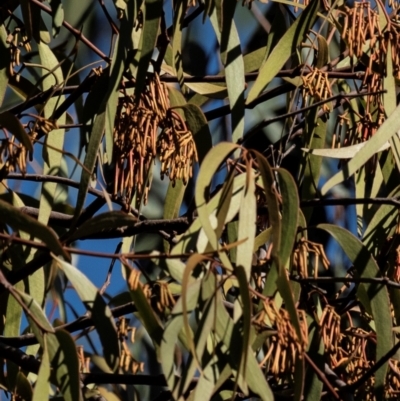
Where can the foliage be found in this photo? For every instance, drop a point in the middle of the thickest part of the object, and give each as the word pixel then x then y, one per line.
pixel 272 270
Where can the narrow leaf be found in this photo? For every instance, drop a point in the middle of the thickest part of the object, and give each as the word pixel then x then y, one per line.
pixel 283 50
pixel 101 313
pixel 20 221
pixel 372 146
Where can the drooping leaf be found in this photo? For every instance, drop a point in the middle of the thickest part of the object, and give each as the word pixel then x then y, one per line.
pixel 124 43
pixel 172 332
pixel 31 16
pixel 11 123
pixel 42 386
pixel 381 226
pixel 198 124
pixel 323 52
pixel 209 167
pixel 282 51
pixel 146 314
pixel 231 55
pixel 90 158
pixel 152 13
pixel 57 12
pixel 20 221
pixel 256 380
pixel 180 7
pixel 100 312
pixel 23 388
pixel 4 54
pixel 247 226
pixel 52 155
pixel 389 128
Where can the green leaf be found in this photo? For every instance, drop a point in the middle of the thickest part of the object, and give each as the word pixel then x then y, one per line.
pixel 12 123
pixel 317 129
pixel 103 222
pixel 255 378
pixel 20 221
pixel 213 91
pixel 23 389
pixel 201 337
pixel 372 146
pixel 232 59
pixel 31 16
pixel 4 62
pixel 42 386
pixel 290 211
pixel 247 225
pixel 152 13
pixel 284 49
pixel 382 225
pixel 124 42
pixel 253 60
pixel 172 332
pixel 207 170
pixel 64 360
pixel 13 318
pixel 55 139
pixel 90 158
pixel 377 295
pixel 100 312
pixel 323 52
pixel 313 385
pixel 346 152
pixel 57 12
pixel 180 8
pixel 190 238
pixel 146 314
pixel 197 123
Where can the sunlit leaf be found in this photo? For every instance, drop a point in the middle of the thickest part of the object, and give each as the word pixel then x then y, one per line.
pixel 4 54
pixel 152 13
pixel 372 146
pixel 282 51
pixel 42 386
pixel 52 156
pixel 209 167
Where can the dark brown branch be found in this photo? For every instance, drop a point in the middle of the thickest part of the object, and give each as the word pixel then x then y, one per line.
pixel 26 362
pixel 78 34
pixel 111 378
pixel 321 376
pixel 350 280
pixel 178 225
pixel 81 323
pixel 337 98
pixel 350 201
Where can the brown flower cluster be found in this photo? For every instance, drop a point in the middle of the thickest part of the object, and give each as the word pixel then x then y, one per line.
pixel 127 363
pixel 136 146
pixel 284 346
pixel 316 84
pixel 17 39
pixel 301 255
pixel 351 351
pixel 13 155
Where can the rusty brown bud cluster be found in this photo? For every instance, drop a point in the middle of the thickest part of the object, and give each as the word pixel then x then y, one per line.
pixel 146 128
